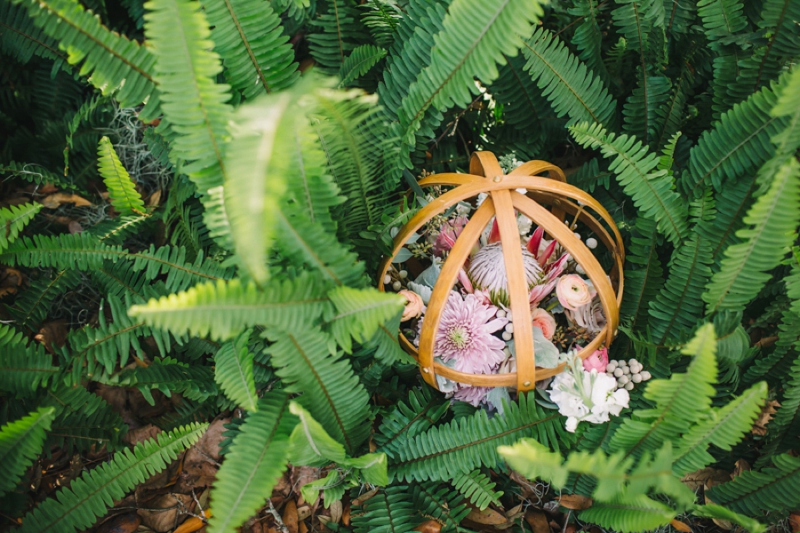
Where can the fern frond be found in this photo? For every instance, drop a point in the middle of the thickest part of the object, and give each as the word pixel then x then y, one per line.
pixel 13 219
pixel 121 189
pixel 32 306
pixel 721 18
pixel 331 391
pixel 83 420
pixel 772 224
pixel 168 375
pixel 113 63
pixel 421 409
pixel 224 309
pixel 476 35
pixel 751 493
pixel 90 496
pixel 641 108
pixel 253 463
pixel 360 61
pixel 23 368
pixel 725 427
pixel 679 401
pixel 738 143
pixel 478 489
pixel 630 514
pixel 338 30
pixel 571 88
pixel 34 173
pixel 588 36
pixel 784 429
pixel 233 372
pixel 20 443
pixel 652 190
pixel 22 39
pixel 381 17
pixel 255 51
pixel 643 275
pixel 389 511
pixel 192 102
pixel 359 313
pixel 441 503
pixel 721 513
pixel 444 452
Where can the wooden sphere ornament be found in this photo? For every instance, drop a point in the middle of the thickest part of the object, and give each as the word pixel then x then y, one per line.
pixel 547 202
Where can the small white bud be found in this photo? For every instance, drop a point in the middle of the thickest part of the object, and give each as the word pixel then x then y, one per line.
pixel 579 269
pixel 626 370
pixel 507 336
pixel 403 274
pixel 397 285
pixel 510 327
pixel 636 378
pixel 500 313
pixel 629 386
pixel 612 365
pixel 618 372
pixel 387 279
pixel 578 235
pixel 623 380
pixel 591 242
pixel 632 362
pixel 645 375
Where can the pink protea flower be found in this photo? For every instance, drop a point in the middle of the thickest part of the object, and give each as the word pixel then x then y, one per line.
pixel 465 335
pixel 553 270
pixel 597 361
pixel 488 269
pixel 448 234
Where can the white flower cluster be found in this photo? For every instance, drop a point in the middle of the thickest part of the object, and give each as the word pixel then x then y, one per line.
pixel 587 396
pixel 627 373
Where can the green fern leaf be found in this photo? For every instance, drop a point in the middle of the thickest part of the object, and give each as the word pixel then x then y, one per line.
pixel 721 513
pixel 679 401
pixel 360 61
pixel 784 429
pixel 233 372
pixel 409 418
pixel 478 489
pixel 381 17
pixel 629 514
pixel 168 375
pixel 90 496
pixel 571 88
pixel 721 18
pixel 738 144
pixel 34 173
pixel 390 510
pixel 476 36
pixel 588 37
pixel 726 427
pixel 33 305
pixel 641 108
pixel 331 391
pixel 23 368
pixel 20 443
pixel 255 51
pixel 652 190
pixel 253 464
pixel 113 63
pixel 772 223
pixel 772 489
pixel 22 39
pixel 360 312
pixel 192 102
pixel 643 274
pixel 121 189
pixel 337 31
pixel 441 503
pixel 13 219
pixel 444 452
pixel 224 309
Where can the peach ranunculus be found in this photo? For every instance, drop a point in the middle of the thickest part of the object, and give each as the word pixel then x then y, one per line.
pixel 544 321
pixel 573 292
pixel 414 305
pixel 597 361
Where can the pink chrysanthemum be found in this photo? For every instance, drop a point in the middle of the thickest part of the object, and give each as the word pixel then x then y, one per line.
pixel 465 335
pixel 488 268
pixel 472 395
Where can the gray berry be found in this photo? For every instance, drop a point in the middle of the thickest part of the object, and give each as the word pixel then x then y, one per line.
pixel 397 285
pixel 623 380
pixel 645 375
pixel 636 378
pixel 618 372
pixel 629 386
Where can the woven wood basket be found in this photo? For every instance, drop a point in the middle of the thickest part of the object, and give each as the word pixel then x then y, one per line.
pixel 503 201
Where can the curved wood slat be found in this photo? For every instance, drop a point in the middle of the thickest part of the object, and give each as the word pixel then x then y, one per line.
pixel 486 176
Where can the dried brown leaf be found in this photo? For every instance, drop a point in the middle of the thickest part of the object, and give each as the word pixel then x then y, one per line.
pixel 699 478
pixel 575 502
pixel 290 517
pixel 488 517
pixel 53 201
pixel 430 526
pixel 163 513
pixel 681 526
pixel 760 427
pixel 538 522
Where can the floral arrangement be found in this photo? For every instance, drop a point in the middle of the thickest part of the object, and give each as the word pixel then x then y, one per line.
pixel 475 333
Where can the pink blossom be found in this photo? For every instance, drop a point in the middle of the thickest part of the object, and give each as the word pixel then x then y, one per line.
pixel 465 335
pixel 414 305
pixel 448 234
pixel 597 361
pixel 544 321
pixel 473 395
